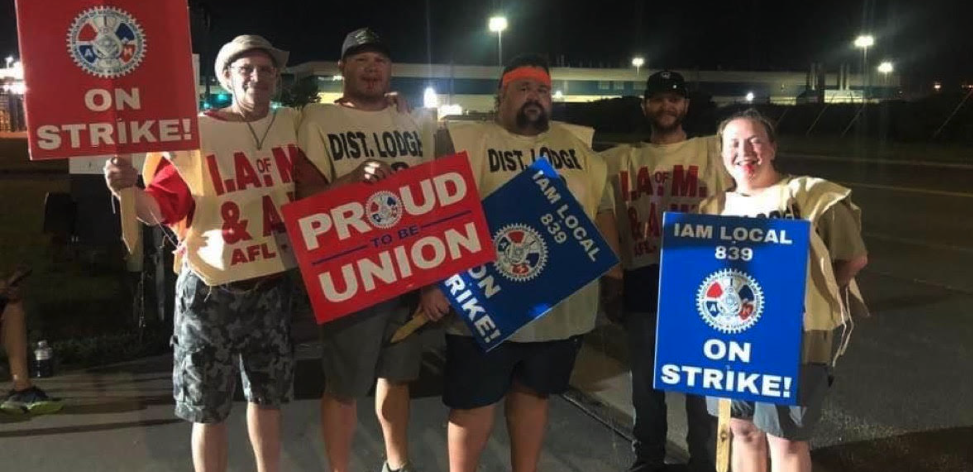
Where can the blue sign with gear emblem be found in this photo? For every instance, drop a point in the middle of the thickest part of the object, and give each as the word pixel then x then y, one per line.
pixel 547 249
pixel 731 306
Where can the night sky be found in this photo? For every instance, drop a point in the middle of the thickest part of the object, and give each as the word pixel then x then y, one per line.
pixel 926 39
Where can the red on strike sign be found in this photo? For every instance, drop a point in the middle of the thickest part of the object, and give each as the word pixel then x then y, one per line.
pixel 362 244
pixel 107 76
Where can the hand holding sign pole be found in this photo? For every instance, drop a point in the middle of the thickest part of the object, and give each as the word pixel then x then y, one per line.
pixel 127 212
pixel 130 68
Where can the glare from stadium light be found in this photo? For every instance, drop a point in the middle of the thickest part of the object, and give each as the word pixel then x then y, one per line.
pixel 885 67
pixel 937 86
pixel 638 62
pixel 865 41
pixel 430 99
pixel 749 97
pixel 498 24
pixel 10 60
pixel 558 95
pixel 18 71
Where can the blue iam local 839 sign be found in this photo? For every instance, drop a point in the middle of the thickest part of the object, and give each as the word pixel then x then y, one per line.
pixel 731 306
pixel 547 249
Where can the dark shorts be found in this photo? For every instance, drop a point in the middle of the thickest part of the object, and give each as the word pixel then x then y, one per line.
pixel 356 350
pixel 794 423
pixel 475 378
pixel 221 330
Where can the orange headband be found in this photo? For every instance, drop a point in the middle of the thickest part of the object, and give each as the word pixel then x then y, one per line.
pixel 526 72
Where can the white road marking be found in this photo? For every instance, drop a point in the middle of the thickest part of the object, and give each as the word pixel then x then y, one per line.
pixel 894 188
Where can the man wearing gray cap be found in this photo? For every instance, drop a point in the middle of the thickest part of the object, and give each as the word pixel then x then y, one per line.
pixel 671 172
pixel 233 300
pixel 363 138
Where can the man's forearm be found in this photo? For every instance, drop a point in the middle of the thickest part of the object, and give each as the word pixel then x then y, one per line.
pixel 605 222
pixel 147 208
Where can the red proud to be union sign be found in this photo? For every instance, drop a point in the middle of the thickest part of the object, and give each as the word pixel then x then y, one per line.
pixel 362 244
pixel 107 77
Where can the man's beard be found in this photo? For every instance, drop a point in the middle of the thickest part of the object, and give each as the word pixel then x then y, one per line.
pixel 541 123
pixel 676 124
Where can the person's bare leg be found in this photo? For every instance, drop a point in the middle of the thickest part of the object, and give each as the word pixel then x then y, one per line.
pixel 749 447
pixel 392 410
pixel 789 456
pixel 209 447
pixel 338 419
pixel 467 435
pixel 15 343
pixel 263 425
pixel 526 413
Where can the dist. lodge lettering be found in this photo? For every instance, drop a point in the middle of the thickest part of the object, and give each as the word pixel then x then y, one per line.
pixel 516 160
pixel 388 144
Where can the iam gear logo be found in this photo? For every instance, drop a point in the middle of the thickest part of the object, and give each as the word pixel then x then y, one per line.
pixel 521 252
pixel 730 301
pixel 383 210
pixel 106 42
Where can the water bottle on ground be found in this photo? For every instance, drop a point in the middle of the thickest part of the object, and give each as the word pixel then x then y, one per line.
pixel 43 360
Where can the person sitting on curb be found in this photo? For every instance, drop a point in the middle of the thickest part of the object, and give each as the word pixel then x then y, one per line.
pixel 24 397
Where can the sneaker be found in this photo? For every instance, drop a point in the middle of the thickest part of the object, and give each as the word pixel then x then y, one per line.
pixel 406 468
pixel 31 401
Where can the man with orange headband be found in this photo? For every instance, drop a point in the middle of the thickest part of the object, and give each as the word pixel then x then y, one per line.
pixel 537 360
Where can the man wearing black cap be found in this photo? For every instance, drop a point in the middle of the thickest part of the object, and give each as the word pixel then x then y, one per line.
pixel 669 173
pixel 363 138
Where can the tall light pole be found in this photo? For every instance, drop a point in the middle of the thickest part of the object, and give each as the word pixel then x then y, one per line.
pixel 864 42
pixel 497 24
pixel 638 62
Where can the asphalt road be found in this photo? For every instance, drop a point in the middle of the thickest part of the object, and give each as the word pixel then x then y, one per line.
pixel 903 398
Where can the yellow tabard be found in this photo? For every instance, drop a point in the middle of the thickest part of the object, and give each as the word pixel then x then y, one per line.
pixel 496 156
pixel 649 179
pixel 337 139
pixel 805 198
pixel 236 232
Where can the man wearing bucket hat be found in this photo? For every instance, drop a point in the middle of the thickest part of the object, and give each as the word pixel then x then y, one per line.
pixel 357 347
pixel 669 172
pixel 233 300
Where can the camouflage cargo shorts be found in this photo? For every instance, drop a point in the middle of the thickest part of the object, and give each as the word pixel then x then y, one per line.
pixel 221 330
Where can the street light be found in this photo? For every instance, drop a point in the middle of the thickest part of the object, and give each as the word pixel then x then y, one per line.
pixel 749 97
pixel 885 68
pixel 430 99
pixel 497 25
pixel 864 42
pixel 638 62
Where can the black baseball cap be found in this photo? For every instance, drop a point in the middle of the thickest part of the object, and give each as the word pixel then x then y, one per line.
pixel 665 81
pixel 363 39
